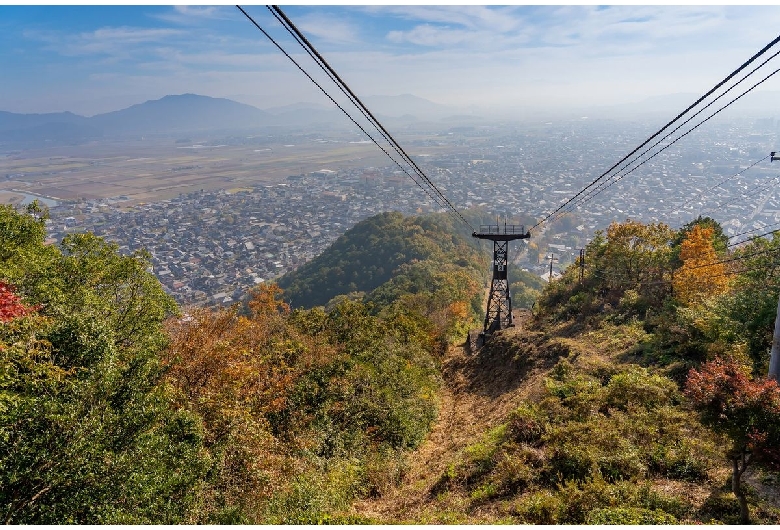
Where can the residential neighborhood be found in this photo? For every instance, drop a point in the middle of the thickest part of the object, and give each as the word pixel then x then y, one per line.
pixel 209 247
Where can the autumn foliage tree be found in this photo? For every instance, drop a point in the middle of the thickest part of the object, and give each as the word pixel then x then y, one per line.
pixel 746 410
pixel 11 306
pixel 233 371
pixel 702 274
pixel 628 267
pixel 300 404
pixel 636 253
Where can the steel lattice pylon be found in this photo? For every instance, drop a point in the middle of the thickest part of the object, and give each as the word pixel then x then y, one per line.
pixel 499 305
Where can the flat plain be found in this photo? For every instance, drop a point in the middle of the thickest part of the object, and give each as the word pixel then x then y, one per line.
pixel 150 170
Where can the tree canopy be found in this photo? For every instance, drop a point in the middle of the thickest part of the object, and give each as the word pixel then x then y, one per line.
pixel 87 433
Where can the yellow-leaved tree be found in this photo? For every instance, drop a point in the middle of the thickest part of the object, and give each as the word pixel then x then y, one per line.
pixel 702 274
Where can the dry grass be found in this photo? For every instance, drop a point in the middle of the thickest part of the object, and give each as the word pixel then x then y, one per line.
pixel 479 393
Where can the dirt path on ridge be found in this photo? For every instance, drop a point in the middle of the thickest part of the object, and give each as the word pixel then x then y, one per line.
pixel 476 395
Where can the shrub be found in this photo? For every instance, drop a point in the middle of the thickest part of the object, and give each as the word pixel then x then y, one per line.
pixel 629 516
pixel 526 425
pixel 539 507
pixel 720 506
pixel 679 460
pixel 637 387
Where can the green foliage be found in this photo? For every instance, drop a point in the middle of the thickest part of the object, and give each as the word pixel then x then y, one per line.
pixel 629 516
pixel 386 247
pixel 88 434
pixel 525 288
pixel 591 436
pixel 382 386
pixel 720 506
pixel 625 275
pixel 596 499
pixel 747 313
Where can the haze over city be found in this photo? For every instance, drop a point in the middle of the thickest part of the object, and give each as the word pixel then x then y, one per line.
pixel 95 59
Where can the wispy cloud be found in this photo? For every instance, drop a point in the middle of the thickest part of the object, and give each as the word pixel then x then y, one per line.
pixel 433 36
pixel 328 28
pixel 118 41
pixel 499 19
pixel 196 15
pixel 196 11
pixel 504 28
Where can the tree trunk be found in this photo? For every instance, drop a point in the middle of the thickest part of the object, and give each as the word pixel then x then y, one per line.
pixel 736 487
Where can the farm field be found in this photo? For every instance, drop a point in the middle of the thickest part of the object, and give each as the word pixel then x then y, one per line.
pixel 147 170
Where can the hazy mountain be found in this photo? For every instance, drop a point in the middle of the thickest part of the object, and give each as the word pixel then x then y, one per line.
pixel 176 114
pixel 170 114
pixel 11 121
pixel 50 133
pixel 183 113
pixel 55 128
pixel 754 103
pixel 407 105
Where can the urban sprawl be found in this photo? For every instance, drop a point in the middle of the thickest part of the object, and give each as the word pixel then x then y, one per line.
pixel 209 247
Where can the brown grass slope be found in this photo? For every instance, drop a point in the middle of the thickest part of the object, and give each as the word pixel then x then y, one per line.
pixel 479 466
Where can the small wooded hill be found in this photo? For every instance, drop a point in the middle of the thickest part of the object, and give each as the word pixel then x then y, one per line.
pixel 406 251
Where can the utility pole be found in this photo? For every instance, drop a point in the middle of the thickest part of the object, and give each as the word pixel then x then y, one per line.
pixel 774 356
pixel 552 258
pixel 499 305
pixel 582 264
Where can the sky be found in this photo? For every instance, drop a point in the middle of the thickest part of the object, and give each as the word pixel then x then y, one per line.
pixel 94 59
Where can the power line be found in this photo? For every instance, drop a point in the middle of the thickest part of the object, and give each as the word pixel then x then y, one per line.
pixel 602 187
pixel 748 194
pixel 320 61
pixel 753 238
pixel 315 55
pixel 446 204
pixel 336 103
pixel 710 92
pixel 708 105
pixel 738 173
pixel 753 230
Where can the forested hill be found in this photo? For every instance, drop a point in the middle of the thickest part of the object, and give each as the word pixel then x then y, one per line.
pixel 117 407
pixel 634 393
pixel 415 252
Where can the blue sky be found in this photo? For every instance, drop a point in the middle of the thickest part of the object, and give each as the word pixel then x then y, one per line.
pixel 93 59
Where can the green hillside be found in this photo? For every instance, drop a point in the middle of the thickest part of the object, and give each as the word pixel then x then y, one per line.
pixel 635 395
pixel 630 397
pixel 375 251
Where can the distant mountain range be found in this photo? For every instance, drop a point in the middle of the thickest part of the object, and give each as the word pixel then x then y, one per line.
pixel 756 103
pixel 191 113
